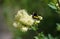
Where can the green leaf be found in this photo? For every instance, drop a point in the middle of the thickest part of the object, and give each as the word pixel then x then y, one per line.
pixel 34 28
pixel 52 5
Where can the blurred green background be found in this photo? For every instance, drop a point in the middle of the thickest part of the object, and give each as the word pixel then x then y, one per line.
pixel 49 24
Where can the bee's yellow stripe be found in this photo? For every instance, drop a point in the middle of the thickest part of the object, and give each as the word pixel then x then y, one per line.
pixel 36 17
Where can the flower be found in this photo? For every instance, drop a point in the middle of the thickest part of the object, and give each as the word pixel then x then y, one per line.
pixel 36 22
pixel 24 29
pixel 27 20
pixel 40 17
pixel 57 5
pixel 15 24
pixel 22 13
pixel 24 18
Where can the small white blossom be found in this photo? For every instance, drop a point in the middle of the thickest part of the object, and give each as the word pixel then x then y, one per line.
pixel 22 13
pixel 40 17
pixel 37 21
pixel 24 29
pixel 57 5
pixel 15 24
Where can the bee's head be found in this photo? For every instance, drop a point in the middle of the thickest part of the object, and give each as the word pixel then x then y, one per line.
pixel 34 14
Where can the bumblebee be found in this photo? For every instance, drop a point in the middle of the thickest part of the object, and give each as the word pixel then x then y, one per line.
pixel 35 16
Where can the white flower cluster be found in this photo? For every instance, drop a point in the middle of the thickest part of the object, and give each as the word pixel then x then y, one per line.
pixel 22 19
